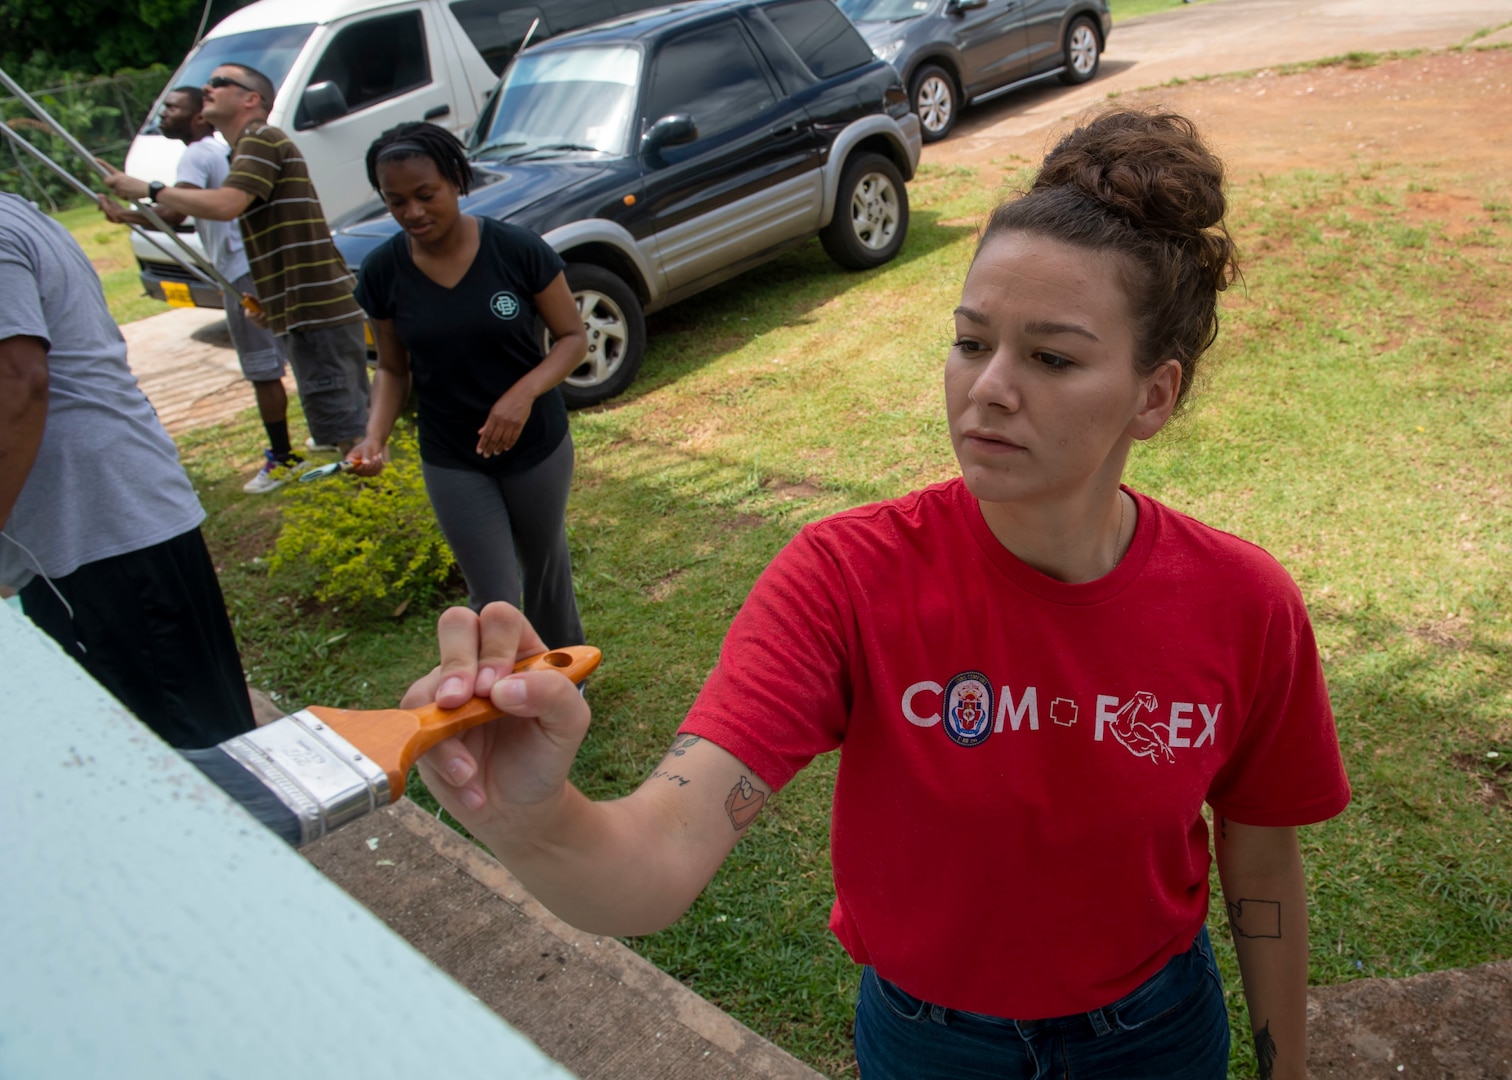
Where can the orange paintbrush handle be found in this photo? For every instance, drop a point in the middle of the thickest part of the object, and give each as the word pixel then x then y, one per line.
pixel 251 304
pixel 394 739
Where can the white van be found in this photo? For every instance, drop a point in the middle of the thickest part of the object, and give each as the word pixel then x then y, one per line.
pixel 346 70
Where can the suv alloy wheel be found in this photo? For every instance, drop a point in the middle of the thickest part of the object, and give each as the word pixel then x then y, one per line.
pixel 616 335
pixel 1083 51
pixel 871 214
pixel 934 101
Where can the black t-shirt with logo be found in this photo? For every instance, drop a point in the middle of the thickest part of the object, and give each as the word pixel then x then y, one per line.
pixel 470 343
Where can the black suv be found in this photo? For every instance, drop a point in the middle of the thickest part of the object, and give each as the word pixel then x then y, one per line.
pixel 668 151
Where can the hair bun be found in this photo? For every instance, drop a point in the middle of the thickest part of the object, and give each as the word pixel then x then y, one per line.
pixel 1150 167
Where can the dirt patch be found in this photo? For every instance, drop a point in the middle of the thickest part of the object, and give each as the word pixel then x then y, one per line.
pixel 663 588
pixel 1453 109
pixel 1447 633
pixel 1492 776
pixel 803 489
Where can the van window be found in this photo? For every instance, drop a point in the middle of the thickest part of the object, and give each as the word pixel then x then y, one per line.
pixel 271 51
pixel 496 28
pixel 376 59
pixel 712 75
pixel 821 35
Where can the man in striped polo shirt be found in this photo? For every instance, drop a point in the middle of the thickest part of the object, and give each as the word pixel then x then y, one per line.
pixel 302 281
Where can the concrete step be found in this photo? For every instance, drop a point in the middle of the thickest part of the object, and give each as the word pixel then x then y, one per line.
pixel 589 1002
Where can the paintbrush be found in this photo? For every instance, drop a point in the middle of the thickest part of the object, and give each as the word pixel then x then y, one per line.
pixel 314 771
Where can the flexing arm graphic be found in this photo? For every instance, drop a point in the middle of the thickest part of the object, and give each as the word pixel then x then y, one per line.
pixel 1140 739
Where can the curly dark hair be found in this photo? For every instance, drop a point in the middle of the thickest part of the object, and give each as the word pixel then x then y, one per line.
pixel 1142 186
pixel 416 140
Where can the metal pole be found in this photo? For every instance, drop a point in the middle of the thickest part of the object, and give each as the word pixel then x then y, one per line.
pixel 85 190
pixel 42 114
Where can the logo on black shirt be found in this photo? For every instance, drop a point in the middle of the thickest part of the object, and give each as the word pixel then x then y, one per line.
pixel 504 305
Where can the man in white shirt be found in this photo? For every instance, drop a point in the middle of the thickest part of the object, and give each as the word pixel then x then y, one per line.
pixel 204 165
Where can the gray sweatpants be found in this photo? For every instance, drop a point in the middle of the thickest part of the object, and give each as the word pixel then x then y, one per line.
pixel 503 529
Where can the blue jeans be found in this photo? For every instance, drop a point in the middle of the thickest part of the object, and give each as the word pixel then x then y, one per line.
pixel 1172 1027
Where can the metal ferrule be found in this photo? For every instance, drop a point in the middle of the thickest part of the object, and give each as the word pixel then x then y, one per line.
pixel 323 779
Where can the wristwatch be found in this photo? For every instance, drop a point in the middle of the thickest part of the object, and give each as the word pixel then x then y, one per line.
pixel 155 189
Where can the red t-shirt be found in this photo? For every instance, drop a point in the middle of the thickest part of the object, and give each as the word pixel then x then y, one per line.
pixel 1017 823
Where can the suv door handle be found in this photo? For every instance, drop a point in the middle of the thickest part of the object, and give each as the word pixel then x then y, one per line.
pixel 436 113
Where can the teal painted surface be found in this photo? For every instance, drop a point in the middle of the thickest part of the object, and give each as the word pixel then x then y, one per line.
pixel 149 928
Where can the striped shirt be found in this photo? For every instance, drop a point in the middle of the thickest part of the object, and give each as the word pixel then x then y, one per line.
pixel 302 281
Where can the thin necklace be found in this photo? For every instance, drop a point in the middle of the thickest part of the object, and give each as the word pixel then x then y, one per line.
pixel 1118 548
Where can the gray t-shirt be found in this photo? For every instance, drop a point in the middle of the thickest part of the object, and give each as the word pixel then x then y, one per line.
pixel 107 478
pixel 205 164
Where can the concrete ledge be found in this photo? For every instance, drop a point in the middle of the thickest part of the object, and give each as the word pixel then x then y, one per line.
pixel 586 1001
pixel 1453 1024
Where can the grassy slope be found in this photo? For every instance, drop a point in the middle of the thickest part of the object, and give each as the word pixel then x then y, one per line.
pixel 1354 421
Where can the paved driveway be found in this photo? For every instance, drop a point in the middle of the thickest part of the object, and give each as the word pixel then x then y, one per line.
pixel 1222 36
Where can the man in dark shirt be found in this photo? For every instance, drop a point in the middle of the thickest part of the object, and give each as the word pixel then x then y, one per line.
pixel 302 281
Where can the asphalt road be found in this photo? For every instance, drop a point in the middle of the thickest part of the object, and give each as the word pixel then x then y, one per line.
pixel 1218 37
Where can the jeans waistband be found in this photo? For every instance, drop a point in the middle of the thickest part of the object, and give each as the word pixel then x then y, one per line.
pixel 1100 1021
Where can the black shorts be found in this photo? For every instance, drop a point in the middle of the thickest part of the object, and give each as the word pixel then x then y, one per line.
pixel 151 627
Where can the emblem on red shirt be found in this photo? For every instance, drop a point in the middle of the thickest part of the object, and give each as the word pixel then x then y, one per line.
pixel 1137 737
pixel 968 708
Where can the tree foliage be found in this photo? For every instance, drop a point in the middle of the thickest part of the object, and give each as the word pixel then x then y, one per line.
pixel 101 36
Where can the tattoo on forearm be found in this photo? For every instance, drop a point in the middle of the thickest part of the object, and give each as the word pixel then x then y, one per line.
pixel 743 803
pixel 1255 918
pixel 678 748
pixel 1265 1051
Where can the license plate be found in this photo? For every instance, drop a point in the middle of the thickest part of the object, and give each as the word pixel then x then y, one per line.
pixel 177 294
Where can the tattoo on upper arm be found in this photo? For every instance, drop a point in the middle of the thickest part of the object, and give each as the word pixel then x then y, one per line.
pixel 1223 826
pixel 1265 1051
pixel 1255 918
pixel 743 803
pixel 680 745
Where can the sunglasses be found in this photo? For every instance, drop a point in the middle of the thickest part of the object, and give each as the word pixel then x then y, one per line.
pixel 219 82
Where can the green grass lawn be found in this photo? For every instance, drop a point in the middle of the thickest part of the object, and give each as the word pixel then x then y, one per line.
pixel 1129 9
pixel 1354 419
pixel 109 248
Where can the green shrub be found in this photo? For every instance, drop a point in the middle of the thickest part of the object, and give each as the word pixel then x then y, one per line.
pixel 365 538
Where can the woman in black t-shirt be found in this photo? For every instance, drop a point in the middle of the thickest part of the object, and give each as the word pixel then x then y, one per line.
pixel 453 300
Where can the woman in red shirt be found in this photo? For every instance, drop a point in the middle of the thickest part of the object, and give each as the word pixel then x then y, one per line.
pixel 1036 678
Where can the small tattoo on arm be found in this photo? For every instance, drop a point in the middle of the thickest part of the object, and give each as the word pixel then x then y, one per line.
pixel 678 748
pixel 1255 918
pixel 743 803
pixel 1223 827
pixel 1265 1051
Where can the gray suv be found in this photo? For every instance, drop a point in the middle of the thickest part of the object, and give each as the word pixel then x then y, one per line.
pixel 953 53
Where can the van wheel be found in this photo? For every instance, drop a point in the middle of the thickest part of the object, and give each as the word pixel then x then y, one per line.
pixel 616 335
pixel 934 101
pixel 1083 52
pixel 871 214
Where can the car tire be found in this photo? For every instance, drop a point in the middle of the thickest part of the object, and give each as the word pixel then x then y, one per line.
pixel 870 221
pixel 1083 52
pixel 616 335
pixel 935 101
